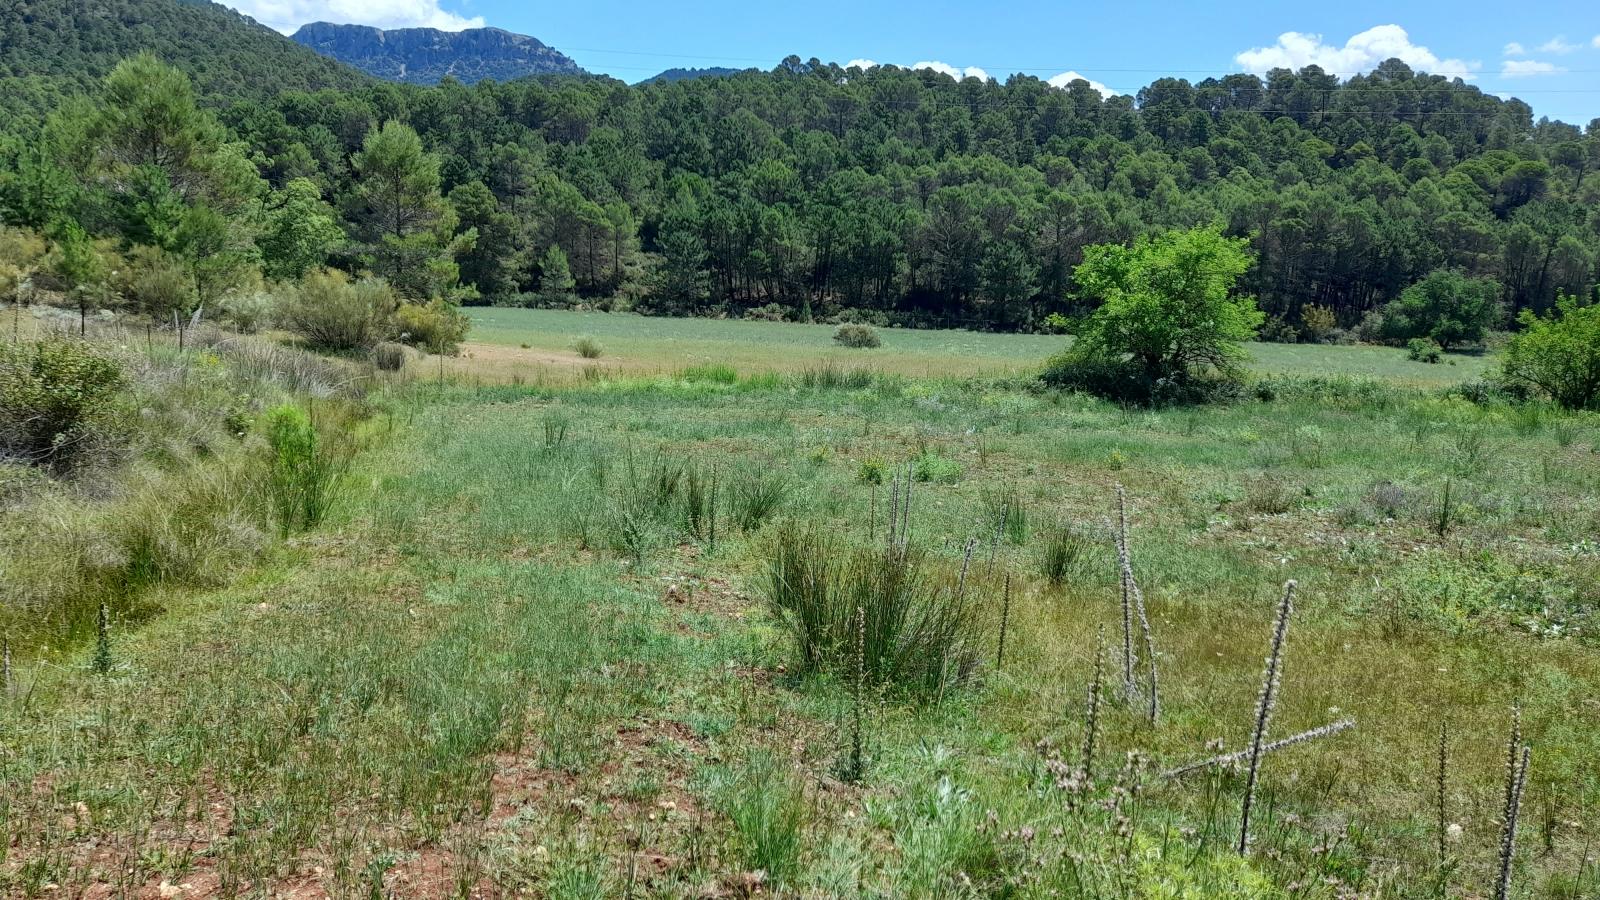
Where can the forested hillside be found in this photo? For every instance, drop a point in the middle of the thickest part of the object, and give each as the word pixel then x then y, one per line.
pixel 52 47
pixel 927 200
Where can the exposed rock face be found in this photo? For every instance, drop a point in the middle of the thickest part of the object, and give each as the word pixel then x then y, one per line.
pixel 427 55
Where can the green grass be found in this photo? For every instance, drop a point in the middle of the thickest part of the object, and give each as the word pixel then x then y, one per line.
pixel 664 345
pixel 513 658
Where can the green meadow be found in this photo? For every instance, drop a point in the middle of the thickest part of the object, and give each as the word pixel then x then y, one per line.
pixel 538 646
pixel 641 344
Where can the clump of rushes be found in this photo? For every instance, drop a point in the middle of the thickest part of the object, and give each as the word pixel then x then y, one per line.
pixel 1062 553
pixel 1518 756
pixel 102 641
pixel 588 348
pixel 1270 681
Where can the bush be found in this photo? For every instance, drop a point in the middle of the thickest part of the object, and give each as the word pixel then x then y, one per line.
pixel 1167 307
pixel 858 337
pixel 1278 330
pixel 156 282
pixel 302 469
pixel 389 357
pixel 56 396
pixel 246 311
pixel 1317 323
pixel 1423 349
pixel 1557 356
pixel 1124 382
pixel 437 326
pixel 932 467
pixel 920 635
pixel 588 348
pixel 333 313
pixel 772 312
pixel 1446 307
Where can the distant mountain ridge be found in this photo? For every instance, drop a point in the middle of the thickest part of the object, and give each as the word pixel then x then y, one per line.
pixel 427 55
pixel 48 47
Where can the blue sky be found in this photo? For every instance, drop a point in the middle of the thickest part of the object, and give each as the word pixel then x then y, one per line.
pixel 1547 53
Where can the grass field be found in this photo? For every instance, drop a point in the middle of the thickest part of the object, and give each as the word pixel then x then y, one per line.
pixel 534 651
pixel 643 345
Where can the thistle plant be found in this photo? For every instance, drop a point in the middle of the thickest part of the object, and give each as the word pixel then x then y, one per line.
pixel 1005 618
pixel 1091 710
pixel 1224 759
pixel 857 766
pixel 1518 755
pixel 1133 607
pixel 1442 783
pixel 102 641
pixel 1270 681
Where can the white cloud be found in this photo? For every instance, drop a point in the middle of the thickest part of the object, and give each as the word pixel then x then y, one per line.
pixel 952 71
pixel 287 15
pixel 1557 44
pixel 1514 49
pixel 1360 53
pixel 1069 76
pixel 1596 41
pixel 861 64
pixel 1526 68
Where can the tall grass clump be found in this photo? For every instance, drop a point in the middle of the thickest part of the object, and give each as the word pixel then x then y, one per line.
pixel 303 470
pixel 1063 552
pixel 754 497
pixel 766 804
pixel 1005 511
pixel 589 348
pixel 919 628
pixel 829 375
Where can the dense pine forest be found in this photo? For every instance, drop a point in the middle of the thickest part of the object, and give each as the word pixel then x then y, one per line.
pixel 813 191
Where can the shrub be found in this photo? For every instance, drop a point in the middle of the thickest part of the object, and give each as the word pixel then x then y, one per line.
pixel 872 471
pixel 1557 356
pixel 246 311
pixel 333 313
pixel 1423 349
pixel 920 633
pixel 1167 307
pixel 1446 307
pixel 437 326
pixel 858 337
pixel 156 282
pixel 934 468
pixel 389 357
pixel 1278 330
pixel 302 470
pixel 56 397
pixel 772 312
pixel 588 348
pixel 1317 323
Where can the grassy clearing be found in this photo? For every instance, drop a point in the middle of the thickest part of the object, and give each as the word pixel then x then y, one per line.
pixel 529 344
pixel 529 654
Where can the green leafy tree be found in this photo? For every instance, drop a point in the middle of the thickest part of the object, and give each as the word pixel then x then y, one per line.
pixel 301 232
pixel 1447 307
pixel 492 263
pixel 1558 355
pixel 409 228
pixel 1167 304
pixel 680 283
pixel 556 285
